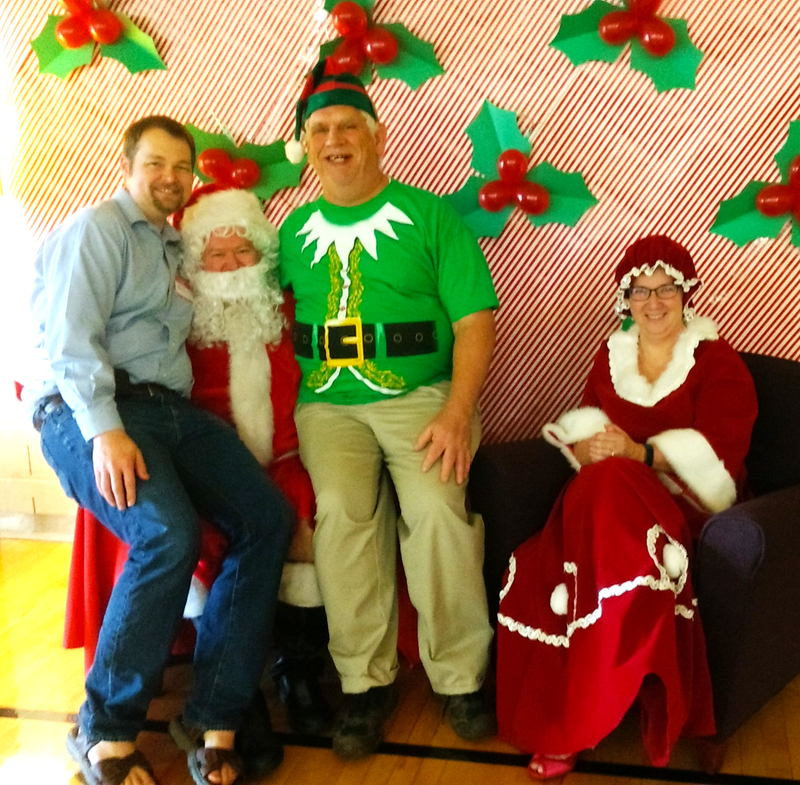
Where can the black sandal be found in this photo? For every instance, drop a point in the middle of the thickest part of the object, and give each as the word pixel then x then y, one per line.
pixel 203 760
pixel 111 771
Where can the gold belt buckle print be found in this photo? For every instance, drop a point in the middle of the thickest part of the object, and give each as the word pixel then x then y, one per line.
pixel 344 342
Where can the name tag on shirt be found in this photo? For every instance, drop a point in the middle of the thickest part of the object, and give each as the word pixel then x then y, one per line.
pixel 183 289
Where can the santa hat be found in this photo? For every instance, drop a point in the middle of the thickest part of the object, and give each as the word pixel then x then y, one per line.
pixel 212 208
pixel 644 257
pixel 323 88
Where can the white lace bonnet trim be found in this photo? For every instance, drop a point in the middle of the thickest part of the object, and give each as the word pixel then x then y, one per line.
pixel 623 304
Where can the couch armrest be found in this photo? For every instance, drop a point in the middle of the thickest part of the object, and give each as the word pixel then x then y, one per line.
pixel 514 486
pixel 745 574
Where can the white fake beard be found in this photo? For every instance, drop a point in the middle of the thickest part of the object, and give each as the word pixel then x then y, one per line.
pixel 241 307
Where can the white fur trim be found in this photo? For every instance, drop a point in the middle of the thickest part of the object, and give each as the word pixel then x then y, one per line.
pixel 574 426
pixel 623 356
pixel 675 561
pixel 559 600
pixel 693 459
pixel 226 212
pixel 294 151
pixel 299 585
pixel 196 600
pixel 251 404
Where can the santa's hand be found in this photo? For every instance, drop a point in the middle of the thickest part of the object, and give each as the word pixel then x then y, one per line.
pixel 449 436
pixel 117 463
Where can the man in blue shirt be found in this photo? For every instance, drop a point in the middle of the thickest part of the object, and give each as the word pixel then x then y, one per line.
pixel 118 429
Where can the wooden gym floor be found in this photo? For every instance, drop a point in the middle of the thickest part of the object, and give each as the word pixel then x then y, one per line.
pixel 41 688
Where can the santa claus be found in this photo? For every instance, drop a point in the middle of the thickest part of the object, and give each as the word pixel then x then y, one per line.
pixel 245 372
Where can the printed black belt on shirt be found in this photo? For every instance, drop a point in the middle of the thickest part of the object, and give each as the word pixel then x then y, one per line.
pixel 341 342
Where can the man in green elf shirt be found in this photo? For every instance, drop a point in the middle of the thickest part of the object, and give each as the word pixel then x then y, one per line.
pixel 394 335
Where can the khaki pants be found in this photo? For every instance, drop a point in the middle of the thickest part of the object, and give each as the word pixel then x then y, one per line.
pixel 347 450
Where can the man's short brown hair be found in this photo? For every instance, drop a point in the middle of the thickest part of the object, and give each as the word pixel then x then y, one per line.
pixel 133 133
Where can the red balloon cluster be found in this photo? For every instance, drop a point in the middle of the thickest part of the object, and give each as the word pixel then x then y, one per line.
pixel 512 166
pixel 216 164
pixel 84 22
pixel 640 20
pixel 775 200
pixel 361 42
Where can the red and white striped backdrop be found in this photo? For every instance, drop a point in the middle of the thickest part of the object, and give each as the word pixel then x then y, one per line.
pixel 657 162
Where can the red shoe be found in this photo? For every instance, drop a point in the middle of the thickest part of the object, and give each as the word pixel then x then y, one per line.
pixel 545 767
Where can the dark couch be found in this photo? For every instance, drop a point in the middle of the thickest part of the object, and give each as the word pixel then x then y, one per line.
pixel 748 557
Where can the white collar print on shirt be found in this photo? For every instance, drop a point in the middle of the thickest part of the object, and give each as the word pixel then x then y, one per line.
pixel 320 230
pixel 623 358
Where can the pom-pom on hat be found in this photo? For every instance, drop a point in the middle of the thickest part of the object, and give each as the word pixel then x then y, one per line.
pixel 225 210
pixel 644 257
pixel 323 88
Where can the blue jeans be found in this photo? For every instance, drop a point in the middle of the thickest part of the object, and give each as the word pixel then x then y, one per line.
pixel 197 466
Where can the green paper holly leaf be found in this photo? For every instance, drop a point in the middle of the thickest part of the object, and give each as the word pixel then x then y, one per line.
pixel 578 37
pixel 740 222
pixel 415 62
pixel 54 58
pixel 328 48
pixel 789 151
pixel 481 222
pixel 134 49
pixel 492 132
pixel 676 69
pixel 365 4
pixel 276 171
pixel 570 197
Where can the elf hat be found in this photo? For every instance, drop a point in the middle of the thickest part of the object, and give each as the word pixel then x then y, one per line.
pixel 644 257
pixel 323 88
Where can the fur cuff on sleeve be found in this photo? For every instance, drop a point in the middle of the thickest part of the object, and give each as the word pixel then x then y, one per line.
pixel 574 426
pixel 693 459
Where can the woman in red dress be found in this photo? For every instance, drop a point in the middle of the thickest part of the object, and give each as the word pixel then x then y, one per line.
pixel 597 609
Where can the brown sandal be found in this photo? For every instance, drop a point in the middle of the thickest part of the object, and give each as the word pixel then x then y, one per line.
pixel 203 760
pixel 111 771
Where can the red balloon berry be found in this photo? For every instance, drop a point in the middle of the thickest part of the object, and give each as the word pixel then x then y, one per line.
pixel 512 165
pixel 215 164
pixel 494 196
pixel 618 27
pixel 775 200
pixel 104 26
pixel 794 173
pixel 656 36
pixel 76 7
pixel 380 45
pixel 349 19
pixel 347 57
pixel 72 33
pixel 244 173
pixel 643 7
pixel 531 198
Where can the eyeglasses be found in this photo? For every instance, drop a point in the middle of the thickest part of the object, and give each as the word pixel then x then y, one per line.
pixel 641 293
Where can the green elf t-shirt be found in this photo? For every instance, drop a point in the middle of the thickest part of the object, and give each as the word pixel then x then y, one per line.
pixel 404 256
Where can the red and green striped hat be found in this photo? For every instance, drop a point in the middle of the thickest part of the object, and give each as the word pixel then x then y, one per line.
pixel 322 89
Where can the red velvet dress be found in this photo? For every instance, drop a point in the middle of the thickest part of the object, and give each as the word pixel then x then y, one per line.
pixel 595 613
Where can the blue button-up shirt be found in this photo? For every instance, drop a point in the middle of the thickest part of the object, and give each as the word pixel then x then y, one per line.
pixel 104 297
